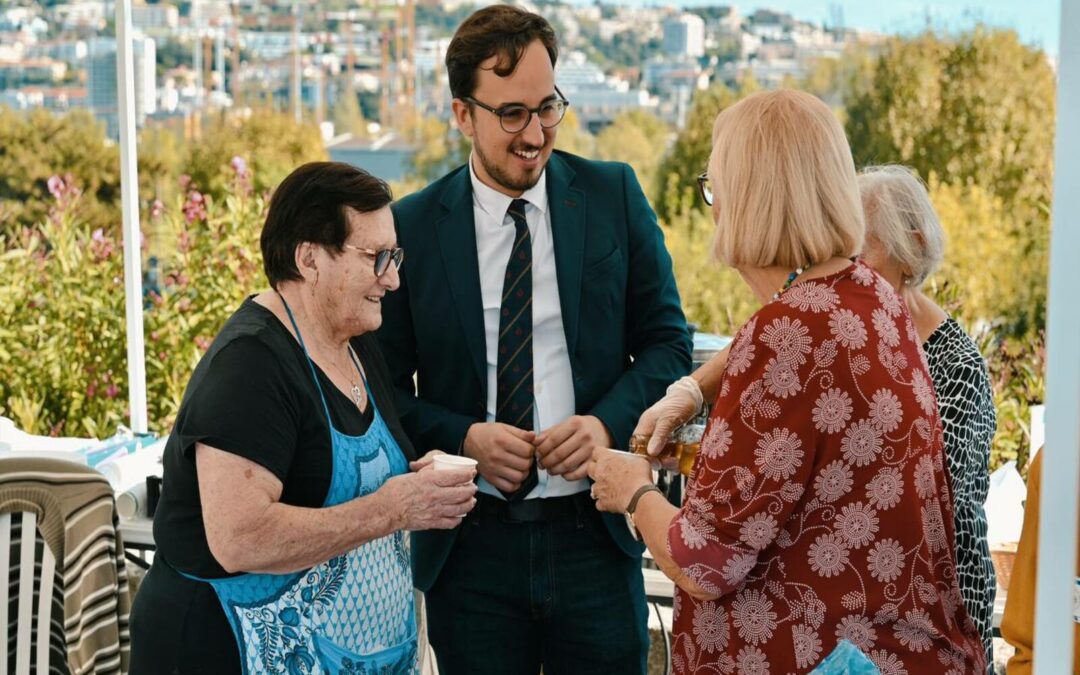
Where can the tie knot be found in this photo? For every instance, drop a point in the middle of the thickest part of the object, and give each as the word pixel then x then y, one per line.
pixel 517 211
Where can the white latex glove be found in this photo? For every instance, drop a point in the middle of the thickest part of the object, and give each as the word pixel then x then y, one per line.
pixel 682 402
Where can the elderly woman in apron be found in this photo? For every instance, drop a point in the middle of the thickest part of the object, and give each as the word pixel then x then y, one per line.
pixel 288 482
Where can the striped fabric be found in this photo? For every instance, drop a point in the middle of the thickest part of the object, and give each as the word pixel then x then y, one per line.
pixel 31 599
pixel 514 400
pixel 71 572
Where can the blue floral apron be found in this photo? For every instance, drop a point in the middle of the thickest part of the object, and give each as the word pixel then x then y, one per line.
pixel 352 614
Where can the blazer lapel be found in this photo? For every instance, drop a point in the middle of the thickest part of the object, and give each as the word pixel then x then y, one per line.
pixel 457 241
pixel 568 232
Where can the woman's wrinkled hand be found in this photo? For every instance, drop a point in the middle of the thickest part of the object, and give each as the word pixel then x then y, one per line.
pixel 430 500
pixel 617 476
pixel 682 402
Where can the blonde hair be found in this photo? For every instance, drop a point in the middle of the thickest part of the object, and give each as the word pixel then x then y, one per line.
pixel 900 217
pixel 783 182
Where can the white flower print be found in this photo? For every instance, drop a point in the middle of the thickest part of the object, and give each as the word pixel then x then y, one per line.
pixel 888 297
pixel 894 361
pixel 857 523
pixel 859 630
pixel 711 629
pixel 737 567
pixel 828 555
pixel 924 393
pixel 807 646
pixel 790 340
pixel 861 444
pixel 751 396
pixel 758 531
pixel 752 614
pixel 825 354
pixel 886 560
pixel 915 631
pixel 888 663
pixel 862 275
pixel 933 526
pixel 781 379
pixel 742 351
pixel 833 482
pixel 925 485
pixel 693 538
pixel 811 296
pixel 791 492
pixel 718 440
pixel 752 661
pixel 886 328
pixel 778 454
pixel 848 328
pixel 832 411
pixel 886 488
pixel 814 610
pixel 886 413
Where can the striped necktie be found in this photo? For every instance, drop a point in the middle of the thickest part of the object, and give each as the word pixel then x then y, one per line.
pixel 514 401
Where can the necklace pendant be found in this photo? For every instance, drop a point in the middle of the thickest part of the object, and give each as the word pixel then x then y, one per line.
pixel 357 394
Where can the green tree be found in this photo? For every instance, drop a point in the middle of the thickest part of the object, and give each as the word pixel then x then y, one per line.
pixel 272 144
pixel 347 115
pixel 573 137
pixel 689 155
pixel 39 144
pixel 638 138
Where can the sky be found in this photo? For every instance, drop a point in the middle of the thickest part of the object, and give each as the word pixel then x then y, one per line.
pixel 1037 21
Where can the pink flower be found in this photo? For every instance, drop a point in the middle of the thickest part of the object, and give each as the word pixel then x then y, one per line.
pixel 111 391
pixel 56 187
pixel 98 236
pixel 157 209
pixel 239 165
pixel 184 181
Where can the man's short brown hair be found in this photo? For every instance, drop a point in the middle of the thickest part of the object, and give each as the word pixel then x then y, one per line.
pixel 499 30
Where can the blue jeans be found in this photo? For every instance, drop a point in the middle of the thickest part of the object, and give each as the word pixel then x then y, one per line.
pixel 513 597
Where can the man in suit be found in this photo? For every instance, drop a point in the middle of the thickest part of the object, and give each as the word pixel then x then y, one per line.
pixel 539 316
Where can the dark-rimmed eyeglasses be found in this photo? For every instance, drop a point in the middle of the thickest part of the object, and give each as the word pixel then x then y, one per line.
pixel 705 187
pixel 514 117
pixel 382 257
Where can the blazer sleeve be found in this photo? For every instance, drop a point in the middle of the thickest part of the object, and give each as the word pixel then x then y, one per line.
pixel 428 425
pixel 656 334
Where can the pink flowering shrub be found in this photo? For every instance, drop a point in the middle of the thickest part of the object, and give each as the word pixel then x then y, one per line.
pixel 63 358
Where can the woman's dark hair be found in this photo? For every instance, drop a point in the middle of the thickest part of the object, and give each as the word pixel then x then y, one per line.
pixel 310 206
pixel 500 30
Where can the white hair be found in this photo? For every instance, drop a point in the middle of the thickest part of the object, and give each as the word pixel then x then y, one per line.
pixel 900 217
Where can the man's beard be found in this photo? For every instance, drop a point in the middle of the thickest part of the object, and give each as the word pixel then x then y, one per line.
pixel 503 177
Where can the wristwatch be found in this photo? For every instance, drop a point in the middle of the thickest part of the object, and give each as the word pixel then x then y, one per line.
pixel 632 506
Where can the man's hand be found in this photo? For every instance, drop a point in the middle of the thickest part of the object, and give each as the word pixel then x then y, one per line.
pixel 564 449
pixel 504 453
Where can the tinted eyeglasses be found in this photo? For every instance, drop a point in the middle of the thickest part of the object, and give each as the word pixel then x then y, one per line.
pixel 382 257
pixel 706 188
pixel 514 117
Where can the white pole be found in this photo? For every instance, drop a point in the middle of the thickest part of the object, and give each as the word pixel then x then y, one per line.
pixel 129 193
pixel 1061 467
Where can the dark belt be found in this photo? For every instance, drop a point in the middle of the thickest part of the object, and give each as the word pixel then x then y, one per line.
pixel 533 510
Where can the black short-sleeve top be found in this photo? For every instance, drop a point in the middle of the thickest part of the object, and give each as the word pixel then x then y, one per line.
pixel 253 394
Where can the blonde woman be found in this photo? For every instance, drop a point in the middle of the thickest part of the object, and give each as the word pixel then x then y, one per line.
pixel 818 508
pixel 905 244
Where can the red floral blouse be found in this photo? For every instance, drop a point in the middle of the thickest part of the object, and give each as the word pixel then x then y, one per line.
pixel 819 508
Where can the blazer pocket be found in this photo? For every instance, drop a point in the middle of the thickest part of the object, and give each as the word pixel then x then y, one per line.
pixel 604 266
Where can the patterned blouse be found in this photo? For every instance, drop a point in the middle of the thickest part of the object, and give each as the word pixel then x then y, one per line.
pixel 818 508
pixel 966 405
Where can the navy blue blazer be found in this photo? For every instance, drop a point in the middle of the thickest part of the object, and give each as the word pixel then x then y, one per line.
pixel 625 330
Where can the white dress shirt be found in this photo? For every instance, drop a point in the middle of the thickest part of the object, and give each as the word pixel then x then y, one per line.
pixel 553 381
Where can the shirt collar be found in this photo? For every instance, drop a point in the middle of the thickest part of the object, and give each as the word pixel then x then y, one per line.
pixel 495 203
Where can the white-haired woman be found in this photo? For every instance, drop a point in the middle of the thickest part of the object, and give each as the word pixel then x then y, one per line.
pixel 905 244
pixel 818 508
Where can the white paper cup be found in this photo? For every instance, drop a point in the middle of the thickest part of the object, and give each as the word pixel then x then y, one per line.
pixel 453 462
